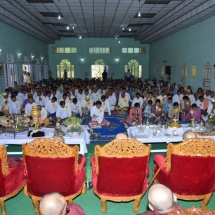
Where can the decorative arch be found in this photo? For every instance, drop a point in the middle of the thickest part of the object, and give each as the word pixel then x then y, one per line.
pixel 65 69
pixel 97 68
pixel 134 67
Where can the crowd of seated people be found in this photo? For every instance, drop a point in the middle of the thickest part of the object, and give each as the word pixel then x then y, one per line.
pixel 60 99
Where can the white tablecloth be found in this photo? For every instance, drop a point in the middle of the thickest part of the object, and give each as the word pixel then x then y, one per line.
pixel 165 135
pixel 82 140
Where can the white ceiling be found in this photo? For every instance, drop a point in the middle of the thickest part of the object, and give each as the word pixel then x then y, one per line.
pixel 104 18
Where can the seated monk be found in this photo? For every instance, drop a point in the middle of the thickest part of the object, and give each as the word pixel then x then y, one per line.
pixel 135 115
pixel 97 114
pixel 161 200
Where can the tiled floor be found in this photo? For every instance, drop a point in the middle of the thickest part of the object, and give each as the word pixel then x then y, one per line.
pixel 21 205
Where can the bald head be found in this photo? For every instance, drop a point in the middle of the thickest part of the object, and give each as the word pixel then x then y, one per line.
pixel 121 136
pixel 189 135
pixel 161 198
pixel 53 204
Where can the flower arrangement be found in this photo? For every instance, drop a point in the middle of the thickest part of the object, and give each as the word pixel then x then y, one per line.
pixel 73 124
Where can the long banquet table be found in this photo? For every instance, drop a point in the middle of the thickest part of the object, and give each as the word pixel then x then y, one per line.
pixel 82 139
pixel 149 135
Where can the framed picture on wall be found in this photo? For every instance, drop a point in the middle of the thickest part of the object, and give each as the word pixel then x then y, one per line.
pixel 1 68
pixel 193 71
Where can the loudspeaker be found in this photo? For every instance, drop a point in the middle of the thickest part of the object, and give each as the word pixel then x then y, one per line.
pixel 167 70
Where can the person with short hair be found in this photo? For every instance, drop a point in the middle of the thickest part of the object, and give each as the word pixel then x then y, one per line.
pixel 14 106
pixel 51 107
pixel 105 104
pixel 137 99
pixel 193 113
pixel 97 114
pixel 55 204
pixel 174 111
pixel 76 107
pixel 63 111
pixel 28 106
pixel 188 135
pixel 135 115
pixel 161 201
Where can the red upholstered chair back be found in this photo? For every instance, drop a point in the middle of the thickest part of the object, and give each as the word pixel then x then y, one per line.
pixel 192 165
pixel 51 167
pixel 122 167
pixel 4 169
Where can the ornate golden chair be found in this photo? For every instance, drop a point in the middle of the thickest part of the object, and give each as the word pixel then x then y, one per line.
pixel 189 169
pixel 120 170
pixel 52 166
pixel 12 178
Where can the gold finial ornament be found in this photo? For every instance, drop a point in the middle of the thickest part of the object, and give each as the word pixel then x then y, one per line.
pixel 35 113
pixel 175 124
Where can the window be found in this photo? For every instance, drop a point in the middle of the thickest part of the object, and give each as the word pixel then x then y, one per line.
pixel 99 50
pixel 131 50
pixel 64 50
pixel 65 70
pixel 135 68
pixel 98 68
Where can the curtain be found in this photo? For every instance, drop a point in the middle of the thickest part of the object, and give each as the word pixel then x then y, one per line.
pixel 45 70
pixel 37 75
pixel 9 71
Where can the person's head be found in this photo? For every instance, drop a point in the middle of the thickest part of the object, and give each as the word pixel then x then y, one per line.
pixel 137 105
pixel 39 107
pixel 62 104
pixel 75 101
pixel 185 98
pixel 169 99
pixel 123 95
pixel 30 100
pixel 201 98
pixel 53 204
pixel 98 104
pixel 138 95
pixel 54 99
pixel 179 92
pixel 121 136
pixel 39 93
pixel 161 199
pixel 194 106
pixel 212 94
pixel 64 96
pixel 175 105
pixel 157 102
pixel 189 135
pixel 13 97
pixel 150 102
pixel 103 98
pixel 208 92
pixel 5 95
pixel 86 92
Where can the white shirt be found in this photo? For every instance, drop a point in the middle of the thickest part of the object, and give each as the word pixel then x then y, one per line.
pixel 51 107
pixel 192 99
pixel 80 96
pixel 95 96
pixel 137 100
pixel 15 107
pixel 86 104
pixel 47 99
pixel 40 100
pixel 63 112
pixel 76 108
pixel 43 113
pixel 106 106
pixel 98 112
pixel 177 98
pixel 28 108
pixel 5 103
pixel 123 102
pixel 200 104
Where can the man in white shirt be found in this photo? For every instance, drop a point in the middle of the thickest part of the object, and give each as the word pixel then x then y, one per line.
pixel 48 97
pixel 97 114
pixel 191 97
pixel 28 106
pixel 14 106
pixel 63 111
pixel 65 98
pixel 5 103
pixel 51 107
pixel 123 101
pixel 112 99
pixel 40 99
pixel 177 97
pixel 105 104
pixel 207 94
pixel 95 95
pixel 76 107
pixel 86 102
pixel 137 99
pixel 80 95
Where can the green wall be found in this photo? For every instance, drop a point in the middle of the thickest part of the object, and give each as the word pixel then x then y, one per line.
pixel 194 46
pixel 14 41
pixel 83 68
